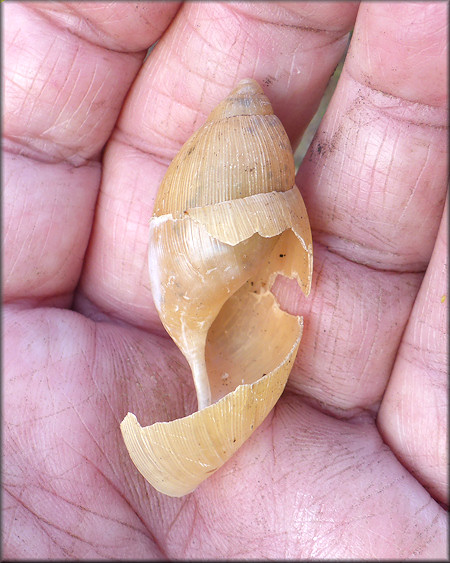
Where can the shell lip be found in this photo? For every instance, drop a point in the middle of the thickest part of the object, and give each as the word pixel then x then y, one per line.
pixel 249 386
pixel 177 456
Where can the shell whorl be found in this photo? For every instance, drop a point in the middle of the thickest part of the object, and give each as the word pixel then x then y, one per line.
pixel 241 150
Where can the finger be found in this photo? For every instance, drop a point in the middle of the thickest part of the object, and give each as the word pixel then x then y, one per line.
pixel 291 49
pixel 414 411
pixel 65 80
pixel 374 178
pixel 374 182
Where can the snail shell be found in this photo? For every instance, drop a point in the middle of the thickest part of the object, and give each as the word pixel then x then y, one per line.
pixel 228 219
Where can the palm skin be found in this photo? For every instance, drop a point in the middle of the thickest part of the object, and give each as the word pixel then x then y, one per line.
pixel 351 463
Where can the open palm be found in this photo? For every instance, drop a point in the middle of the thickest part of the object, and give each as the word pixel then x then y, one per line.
pixel 351 463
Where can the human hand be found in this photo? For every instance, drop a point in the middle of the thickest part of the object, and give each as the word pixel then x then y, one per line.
pixel 351 463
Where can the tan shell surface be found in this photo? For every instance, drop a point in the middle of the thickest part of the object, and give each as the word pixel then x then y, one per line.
pixel 228 219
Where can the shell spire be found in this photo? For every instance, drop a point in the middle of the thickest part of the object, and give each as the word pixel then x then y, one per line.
pixel 228 219
pixel 241 150
pixel 246 99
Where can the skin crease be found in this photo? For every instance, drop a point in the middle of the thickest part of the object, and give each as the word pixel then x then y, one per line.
pixel 352 461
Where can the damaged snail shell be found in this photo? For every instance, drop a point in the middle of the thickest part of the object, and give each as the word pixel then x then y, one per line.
pixel 228 219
